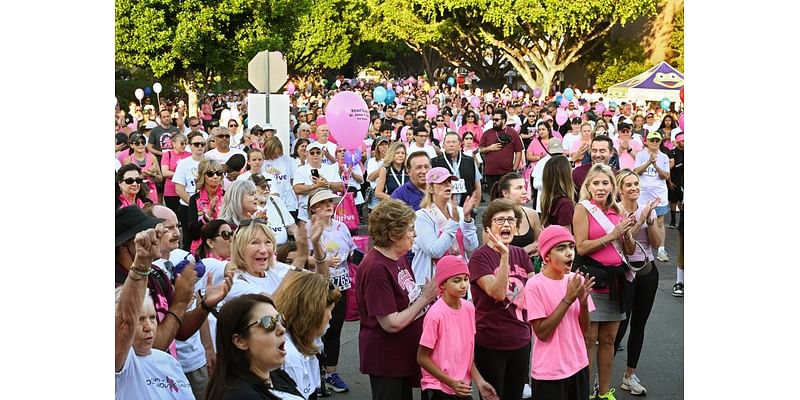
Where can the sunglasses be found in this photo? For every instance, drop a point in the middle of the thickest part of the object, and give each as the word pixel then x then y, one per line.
pixel 130 181
pixel 258 134
pixel 233 126
pixel 497 119
pixel 226 235
pixel 225 136
pixel 138 143
pixel 269 322
pixel 503 220
pixel 439 120
pixel 212 173
pixel 315 153
pixel 198 144
pixel 194 125
pixel 248 222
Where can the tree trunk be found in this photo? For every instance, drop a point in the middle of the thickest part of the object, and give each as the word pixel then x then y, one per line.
pixel 547 81
pixel 658 43
pixel 191 92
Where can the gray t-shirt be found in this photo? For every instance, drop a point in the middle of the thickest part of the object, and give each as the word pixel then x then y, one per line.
pixel 161 138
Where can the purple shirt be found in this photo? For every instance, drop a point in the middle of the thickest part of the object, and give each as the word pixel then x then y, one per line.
pixel 409 194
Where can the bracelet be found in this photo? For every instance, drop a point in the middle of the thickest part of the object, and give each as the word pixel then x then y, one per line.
pixel 136 280
pixel 323 260
pixel 140 272
pixel 564 300
pixel 177 318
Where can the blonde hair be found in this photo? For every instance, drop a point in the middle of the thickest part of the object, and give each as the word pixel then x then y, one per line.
pixel 611 199
pixel 273 148
pixel 303 298
pixel 204 166
pixel 241 238
pixel 388 158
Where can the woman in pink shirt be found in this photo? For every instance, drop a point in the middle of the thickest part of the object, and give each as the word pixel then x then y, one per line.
pixel 602 231
pixel 130 188
pixel 471 124
pixel 169 162
pixel 148 164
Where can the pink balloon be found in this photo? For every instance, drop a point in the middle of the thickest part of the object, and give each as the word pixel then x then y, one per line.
pixel 399 89
pixel 432 93
pixel 290 88
pixel 537 92
pixel 475 102
pixel 432 111
pixel 564 102
pixel 573 114
pixel 514 94
pixel 561 116
pixel 599 108
pixel 680 121
pixel 558 94
pixel 347 115
pixel 585 108
pixel 389 85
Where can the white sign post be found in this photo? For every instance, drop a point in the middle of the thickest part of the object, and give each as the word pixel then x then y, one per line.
pixel 267 72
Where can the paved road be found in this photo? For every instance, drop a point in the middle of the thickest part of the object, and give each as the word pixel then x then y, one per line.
pixel 660 366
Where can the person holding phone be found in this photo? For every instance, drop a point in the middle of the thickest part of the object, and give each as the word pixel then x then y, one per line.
pixel 314 175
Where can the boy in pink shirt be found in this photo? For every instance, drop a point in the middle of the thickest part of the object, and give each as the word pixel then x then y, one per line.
pixel 448 338
pixel 559 363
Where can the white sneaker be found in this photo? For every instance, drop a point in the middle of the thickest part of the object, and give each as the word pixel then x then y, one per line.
pixel 632 383
pixel 662 255
pixel 527 393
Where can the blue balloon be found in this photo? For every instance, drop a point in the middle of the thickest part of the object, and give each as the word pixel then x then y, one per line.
pixel 390 95
pixel 569 94
pixel 665 103
pixel 379 94
pixel 451 81
pixel 147 90
pixel 558 100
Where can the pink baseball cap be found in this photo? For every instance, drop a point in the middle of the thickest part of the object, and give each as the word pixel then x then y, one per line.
pixel 448 267
pixel 439 175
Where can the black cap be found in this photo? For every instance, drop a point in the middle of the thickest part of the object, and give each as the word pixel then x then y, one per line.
pixel 236 162
pixel 131 220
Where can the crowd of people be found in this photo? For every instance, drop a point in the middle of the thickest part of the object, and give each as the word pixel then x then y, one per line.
pixel 236 266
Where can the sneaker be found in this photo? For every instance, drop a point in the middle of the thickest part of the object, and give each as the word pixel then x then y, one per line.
pixel 662 255
pixel 633 384
pixel 334 382
pixel 608 396
pixel 672 226
pixel 527 393
pixel 677 290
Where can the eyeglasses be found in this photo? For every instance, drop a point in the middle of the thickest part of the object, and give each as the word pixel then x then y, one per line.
pixel 138 143
pixel 198 144
pixel 654 140
pixel 439 120
pixel 224 136
pixel 503 220
pixel 212 173
pixel 258 133
pixel 130 181
pixel 226 235
pixel 315 153
pixel 419 135
pixel 269 322
pixel 497 119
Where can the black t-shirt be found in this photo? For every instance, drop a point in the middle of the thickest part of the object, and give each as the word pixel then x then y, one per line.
pixel 676 172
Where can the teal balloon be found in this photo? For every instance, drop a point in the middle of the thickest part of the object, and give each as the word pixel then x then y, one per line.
pixel 569 94
pixel 612 104
pixel 390 95
pixel 451 81
pixel 665 103
pixel 558 99
pixel 379 94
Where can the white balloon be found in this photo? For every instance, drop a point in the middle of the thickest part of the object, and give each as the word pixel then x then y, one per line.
pixel 157 87
pixel 338 83
pixel 139 94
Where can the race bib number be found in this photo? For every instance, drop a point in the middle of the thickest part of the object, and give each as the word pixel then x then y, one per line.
pixel 340 278
pixel 459 186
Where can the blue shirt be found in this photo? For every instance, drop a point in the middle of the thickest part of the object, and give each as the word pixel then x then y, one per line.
pixel 409 194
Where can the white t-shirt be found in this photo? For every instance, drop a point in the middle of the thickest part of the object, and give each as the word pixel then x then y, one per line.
pixel 186 175
pixel 538 183
pixel 217 270
pixel 569 138
pixel 282 174
pixel 336 241
pixel 244 283
pixel 274 219
pixel 303 175
pixel 303 369
pixel 214 154
pixel 651 185
pixel 413 148
pixel 372 166
pixel 154 376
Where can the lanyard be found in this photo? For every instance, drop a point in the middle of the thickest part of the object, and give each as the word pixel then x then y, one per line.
pixel 454 166
pixel 394 175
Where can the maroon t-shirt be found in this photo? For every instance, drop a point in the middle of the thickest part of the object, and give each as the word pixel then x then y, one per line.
pixel 501 161
pixel 386 286
pixel 561 212
pixel 501 325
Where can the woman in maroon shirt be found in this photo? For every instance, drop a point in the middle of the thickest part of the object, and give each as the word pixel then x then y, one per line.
pixel 391 304
pixel 498 271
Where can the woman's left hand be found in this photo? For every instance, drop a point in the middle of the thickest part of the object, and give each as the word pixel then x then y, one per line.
pixel 215 294
pixel 469 204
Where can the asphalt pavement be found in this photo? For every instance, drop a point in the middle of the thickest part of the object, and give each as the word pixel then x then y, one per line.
pixel 660 367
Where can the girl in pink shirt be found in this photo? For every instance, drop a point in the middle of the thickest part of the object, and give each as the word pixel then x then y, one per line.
pixel 559 363
pixel 447 343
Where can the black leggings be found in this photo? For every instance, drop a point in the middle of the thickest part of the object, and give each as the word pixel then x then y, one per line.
pixel 506 370
pixel 331 339
pixel 183 218
pixel 642 292
pixel 384 388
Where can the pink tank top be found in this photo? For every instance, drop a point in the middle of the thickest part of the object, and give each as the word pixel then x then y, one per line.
pixel 607 255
